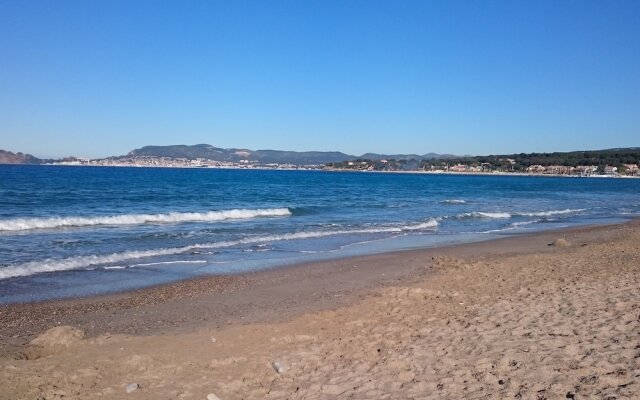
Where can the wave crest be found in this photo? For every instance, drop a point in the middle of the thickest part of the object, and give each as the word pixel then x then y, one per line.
pixel 24 224
pixel 504 215
pixel 72 263
pixel 487 215
pixel 454 201
pixel 432 223
pixel 552 212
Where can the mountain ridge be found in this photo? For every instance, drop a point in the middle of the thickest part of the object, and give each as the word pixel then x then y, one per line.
pixel 267 156
pixel 210 152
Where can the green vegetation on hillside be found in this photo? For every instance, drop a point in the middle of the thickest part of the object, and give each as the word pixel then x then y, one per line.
pixel 620 159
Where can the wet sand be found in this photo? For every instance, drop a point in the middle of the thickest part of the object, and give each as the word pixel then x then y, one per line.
pixel 509 318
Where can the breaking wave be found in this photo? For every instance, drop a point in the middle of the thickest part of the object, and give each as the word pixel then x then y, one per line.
pixel 487 215
pixel 454 201
pixel 65 264
pixel 504 215
pixel 551 213
pixel 516 225
pixel 71 263
pixel 430 224
pixel 24 224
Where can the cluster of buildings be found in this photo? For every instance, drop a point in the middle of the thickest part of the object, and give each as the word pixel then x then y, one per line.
pixel 632 169
pixel 359 165
pixel 484 167
pixel 506 166
pixel 170 162
pixel 580 170
pixel 584 170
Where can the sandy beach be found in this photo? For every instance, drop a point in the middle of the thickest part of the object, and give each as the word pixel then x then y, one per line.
pixel 553 315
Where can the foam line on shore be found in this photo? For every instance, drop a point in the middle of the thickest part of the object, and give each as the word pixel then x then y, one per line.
pixel 72 263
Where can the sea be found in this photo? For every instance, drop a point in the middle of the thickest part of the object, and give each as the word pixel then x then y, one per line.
pixel 78 231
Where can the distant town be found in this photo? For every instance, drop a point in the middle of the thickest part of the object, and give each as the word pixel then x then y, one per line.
pixel 508 166
pixel 170 162
pixel 622 162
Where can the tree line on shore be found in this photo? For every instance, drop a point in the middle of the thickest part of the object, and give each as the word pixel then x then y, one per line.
pixel 621 159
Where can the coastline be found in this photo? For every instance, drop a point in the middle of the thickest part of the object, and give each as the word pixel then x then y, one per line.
pixel 545 315
pixel 343 278
pixel 113 243
pixel 485 174
pixel 303 168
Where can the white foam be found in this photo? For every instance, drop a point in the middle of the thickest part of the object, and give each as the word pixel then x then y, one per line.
pixel 72 263
pixel 454 201
pixel 65 264
pixel 487 215
pixel 552 212
pixel 512 226
pixel 22 224
pixel 504 215
pixel 169 262
pixel 523 223
pixel 430 224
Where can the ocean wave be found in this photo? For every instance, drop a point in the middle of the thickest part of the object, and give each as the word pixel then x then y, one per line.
pixel 429 224
pixel 551 213
pixel 454 201
pixel 23 224
pixel 78 262
pixel 505 215
pixel 523 223
pixel 168 262
pixel 300 211
pixel 512 226
pixel 71 263
pixel 487 215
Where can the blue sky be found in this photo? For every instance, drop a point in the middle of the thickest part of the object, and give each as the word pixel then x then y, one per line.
pixel 97 78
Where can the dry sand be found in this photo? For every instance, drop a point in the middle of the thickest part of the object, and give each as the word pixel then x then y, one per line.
pixel 515 318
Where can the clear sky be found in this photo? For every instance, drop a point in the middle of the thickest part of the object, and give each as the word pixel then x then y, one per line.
pixel 97 78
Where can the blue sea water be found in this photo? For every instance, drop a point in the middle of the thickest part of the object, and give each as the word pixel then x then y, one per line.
pixel 69 231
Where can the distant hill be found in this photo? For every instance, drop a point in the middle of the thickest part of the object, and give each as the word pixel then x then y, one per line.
pixel 8 157
pixel 428 156
pixel 615 157
pixel 623 159
pixel 267 156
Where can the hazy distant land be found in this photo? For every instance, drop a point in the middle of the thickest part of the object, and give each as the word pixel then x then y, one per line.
pixel 8 157
pixel 624 161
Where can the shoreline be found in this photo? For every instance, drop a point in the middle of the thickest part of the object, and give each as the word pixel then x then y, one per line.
pixel 547 315
pixel 333 282
pixel 485 174
pixel 303 168
pixel 329 259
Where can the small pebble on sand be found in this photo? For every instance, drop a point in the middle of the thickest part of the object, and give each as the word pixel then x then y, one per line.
pixel 278 367
pixel 132 387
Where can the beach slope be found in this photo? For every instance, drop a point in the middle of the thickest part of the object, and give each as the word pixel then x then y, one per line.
pixel 550 316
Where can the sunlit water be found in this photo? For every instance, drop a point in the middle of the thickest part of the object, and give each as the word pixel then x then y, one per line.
pixel 68 231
